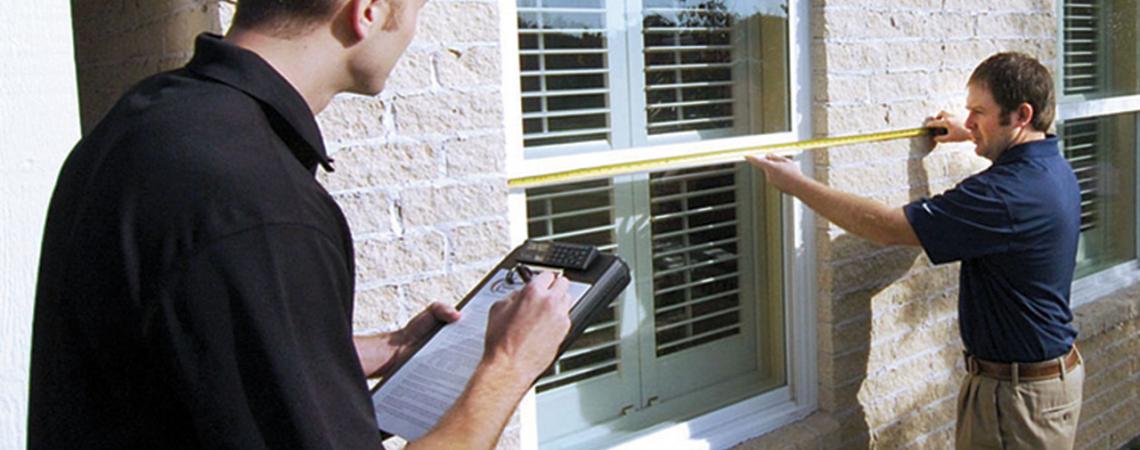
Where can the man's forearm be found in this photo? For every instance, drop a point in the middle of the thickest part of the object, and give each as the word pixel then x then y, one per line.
pixel 867 218
pixel 479 415
pixel 374 351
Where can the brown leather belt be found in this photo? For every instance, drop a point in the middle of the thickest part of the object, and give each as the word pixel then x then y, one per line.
pixel 1036 371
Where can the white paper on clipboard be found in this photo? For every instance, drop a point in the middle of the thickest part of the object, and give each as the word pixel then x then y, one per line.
pixel 413 400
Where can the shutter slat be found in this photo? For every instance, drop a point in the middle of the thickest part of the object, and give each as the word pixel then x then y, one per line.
pixel 696 301
pixel 562 134
pixel 690 121
pixel 734 309
pixel 563 72
pixel 694 84
pixel 691 194
pixel 564 93
pixel 700 246
pixel 694 265
pixel 688 212
pixel 575 213
pixel 665 349
pixel 567 113
pixel 709 227
pixel 719 101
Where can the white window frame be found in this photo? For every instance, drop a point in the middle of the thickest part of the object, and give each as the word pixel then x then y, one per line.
pixel 738 422
pixel 1095 286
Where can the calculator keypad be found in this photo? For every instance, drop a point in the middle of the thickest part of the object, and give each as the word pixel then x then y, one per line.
pixel 557 254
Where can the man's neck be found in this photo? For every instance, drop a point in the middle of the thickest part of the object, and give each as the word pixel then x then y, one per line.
pixel 1024 136
pixel 306 62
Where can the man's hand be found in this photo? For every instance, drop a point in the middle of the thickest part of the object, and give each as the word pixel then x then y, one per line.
pixel 525 329
pixel 955 129
pixel 381 353
pixel 523 333
pixel 781 172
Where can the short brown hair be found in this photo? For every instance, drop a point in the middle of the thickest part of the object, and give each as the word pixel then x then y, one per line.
pixel 1015 78
pixel 283 17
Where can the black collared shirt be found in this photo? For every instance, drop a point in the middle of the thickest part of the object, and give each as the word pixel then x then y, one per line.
pixel 1015 227
pixel 196 282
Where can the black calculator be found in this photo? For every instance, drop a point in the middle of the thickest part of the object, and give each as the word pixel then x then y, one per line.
pixel 561 255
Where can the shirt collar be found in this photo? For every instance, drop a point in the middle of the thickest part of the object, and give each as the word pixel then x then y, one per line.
pixel 1030 150
pixel 246 71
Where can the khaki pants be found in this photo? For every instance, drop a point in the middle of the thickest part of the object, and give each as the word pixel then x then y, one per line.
pixel 1039 415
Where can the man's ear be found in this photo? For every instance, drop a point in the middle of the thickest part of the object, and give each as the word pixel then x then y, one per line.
pixel 1023 116
pixel 368 16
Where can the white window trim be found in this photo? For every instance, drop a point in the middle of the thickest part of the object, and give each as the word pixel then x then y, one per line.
pixel 1081 109
pixel 752 417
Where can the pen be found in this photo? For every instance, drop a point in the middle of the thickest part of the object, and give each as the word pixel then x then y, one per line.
pixel 524 272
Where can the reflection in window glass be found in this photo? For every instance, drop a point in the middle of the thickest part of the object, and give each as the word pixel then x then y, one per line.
pixel 1102 151
pixel 1100 47
pixel 708 69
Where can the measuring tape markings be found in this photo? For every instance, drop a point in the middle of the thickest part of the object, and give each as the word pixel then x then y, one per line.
pixel 609 170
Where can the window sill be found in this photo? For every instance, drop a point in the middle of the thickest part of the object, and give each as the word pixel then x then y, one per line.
pixel 1106 312
pixel 726 427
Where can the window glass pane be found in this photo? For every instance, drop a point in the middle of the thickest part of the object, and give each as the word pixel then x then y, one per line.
pixel 715 65
pixel 581 213
pixel 1100 47
pixel 564 68
pixel 1102 152
pixel 696 277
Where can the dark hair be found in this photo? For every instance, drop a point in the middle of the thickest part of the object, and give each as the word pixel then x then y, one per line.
pixel 283 17
pixel 1016 78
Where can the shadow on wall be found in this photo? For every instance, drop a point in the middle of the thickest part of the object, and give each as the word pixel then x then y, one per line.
pixel 870 289
pixel 117 44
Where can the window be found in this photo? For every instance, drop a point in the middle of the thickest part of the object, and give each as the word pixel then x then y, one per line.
pixel 1102 151
pixel 1099 48
pixel 685 70
pixel 1098 106
pixel 703 324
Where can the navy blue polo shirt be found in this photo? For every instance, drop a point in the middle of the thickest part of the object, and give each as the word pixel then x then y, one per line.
pixel 1014 227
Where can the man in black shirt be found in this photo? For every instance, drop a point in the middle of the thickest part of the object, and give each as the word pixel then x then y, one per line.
pixel 196 284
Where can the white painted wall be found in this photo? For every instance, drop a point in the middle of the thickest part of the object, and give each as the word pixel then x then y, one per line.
pixel 39 123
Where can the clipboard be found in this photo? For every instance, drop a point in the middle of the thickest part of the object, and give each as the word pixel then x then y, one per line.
pixel 417 394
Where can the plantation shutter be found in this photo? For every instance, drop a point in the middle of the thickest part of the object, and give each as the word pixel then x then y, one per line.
pixel 689 66
pixel 597 378
pixel 1082 47
pixel 563 46
pixel 580 213
pixel 1079 140
pixel 704 279
pixel 696 270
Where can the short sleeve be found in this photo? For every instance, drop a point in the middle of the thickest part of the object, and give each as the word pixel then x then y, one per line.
pixel 966 222
pixel 254 334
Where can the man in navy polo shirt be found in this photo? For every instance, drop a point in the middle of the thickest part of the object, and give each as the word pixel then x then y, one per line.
pixel 1014 227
